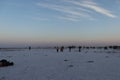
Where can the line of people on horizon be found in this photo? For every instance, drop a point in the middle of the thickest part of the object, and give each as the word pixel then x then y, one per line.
pixel 61 49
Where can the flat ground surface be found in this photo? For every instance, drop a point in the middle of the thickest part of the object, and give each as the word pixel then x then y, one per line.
pixel 47 64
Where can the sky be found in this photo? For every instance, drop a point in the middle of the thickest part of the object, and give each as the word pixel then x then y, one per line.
pixel 55 22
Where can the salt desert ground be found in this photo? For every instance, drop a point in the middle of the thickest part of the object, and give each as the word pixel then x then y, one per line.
pixel 47 64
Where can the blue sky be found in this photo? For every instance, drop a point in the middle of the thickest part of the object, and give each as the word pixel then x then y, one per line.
pixel 29 22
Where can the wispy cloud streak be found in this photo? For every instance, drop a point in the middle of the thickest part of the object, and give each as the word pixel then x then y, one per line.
pixel 68 18
pixel 39 18
pixel 61 9
pixel 75 10
pixel 94 6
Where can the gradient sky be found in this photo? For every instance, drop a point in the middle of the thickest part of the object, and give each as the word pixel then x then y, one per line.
pixel 29 22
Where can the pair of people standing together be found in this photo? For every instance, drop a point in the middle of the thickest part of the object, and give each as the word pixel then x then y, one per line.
pixel 61 49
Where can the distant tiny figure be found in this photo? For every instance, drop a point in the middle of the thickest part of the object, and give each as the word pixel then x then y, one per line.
pixel 105 48
pixel 62 49
pixel 79 48
pixel 70 48
pixel 29 48
pixel 57 49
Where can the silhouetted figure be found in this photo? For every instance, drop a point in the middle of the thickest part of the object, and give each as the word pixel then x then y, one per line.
pixel 29 48
pixel 111 47
pixel 105 48
pixel 57 49
pixel 70 48
pixel 116 47
pixel 87 47
pixel 62 49
pixel 79 48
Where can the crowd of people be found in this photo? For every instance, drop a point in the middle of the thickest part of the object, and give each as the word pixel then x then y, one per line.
pixel 61 49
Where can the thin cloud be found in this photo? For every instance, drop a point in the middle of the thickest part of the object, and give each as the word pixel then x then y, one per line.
pixel 73 18
pixel 84 10
pixel 61 9
pixel 76 10
pixel 68 18
pixel 93 6
pixel 40 18
pixel 72 11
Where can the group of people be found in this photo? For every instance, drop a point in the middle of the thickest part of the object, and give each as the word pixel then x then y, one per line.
pixel 61 49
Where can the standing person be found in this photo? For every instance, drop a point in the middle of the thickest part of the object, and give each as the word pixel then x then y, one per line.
pixel 29 48
pixel 57 49
pixel 62 49
pixel 70 48
pixel 79 48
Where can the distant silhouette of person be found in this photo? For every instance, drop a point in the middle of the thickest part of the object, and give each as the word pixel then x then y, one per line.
pixel 29 48
pixel 62 49
pixel 70 48
pixel 57 49
pixel 79 48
